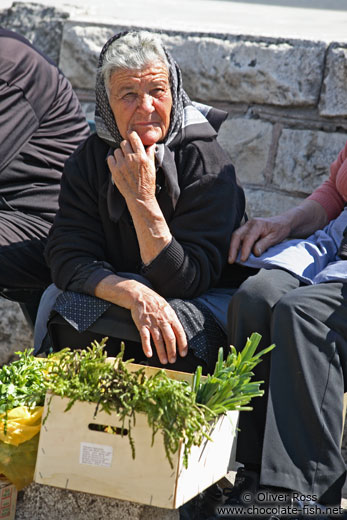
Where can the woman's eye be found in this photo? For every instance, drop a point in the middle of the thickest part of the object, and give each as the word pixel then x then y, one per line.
pixel 129 96
pixel 157 92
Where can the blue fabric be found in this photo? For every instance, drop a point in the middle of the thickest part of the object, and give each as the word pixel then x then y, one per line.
pixel 217 301
pixel 46 305
pixel 80 310
pixel 312 260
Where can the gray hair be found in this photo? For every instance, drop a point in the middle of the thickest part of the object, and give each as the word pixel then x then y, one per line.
pixel 134 50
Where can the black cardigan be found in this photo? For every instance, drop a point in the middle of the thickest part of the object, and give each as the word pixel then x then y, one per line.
pixel 85 244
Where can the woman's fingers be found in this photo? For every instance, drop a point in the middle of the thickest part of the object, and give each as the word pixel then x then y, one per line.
pixel 181 338
pixel 165 343
pixel 242 240
pixel 156 320
pixel 126 148
pixel 135 142
pixel 133 169
pixel 146 341
pixel 169 339
pixel 257 235
pixel 254 236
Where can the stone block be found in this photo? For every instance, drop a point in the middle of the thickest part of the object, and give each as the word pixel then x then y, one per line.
pixel 304 157
pixel 39 502
pixel 334 93
pixel 244 71
pixel 248 142
pixel 214 68
pixel 80 49
pixel 266 203
pixel 41 25
pixel 15 333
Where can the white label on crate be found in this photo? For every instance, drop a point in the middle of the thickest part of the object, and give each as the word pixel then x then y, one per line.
pixel 96 454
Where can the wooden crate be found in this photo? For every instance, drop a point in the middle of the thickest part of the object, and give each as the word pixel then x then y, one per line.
pixel 72 456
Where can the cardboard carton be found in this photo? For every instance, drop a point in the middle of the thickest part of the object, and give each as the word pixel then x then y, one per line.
pixel 8 499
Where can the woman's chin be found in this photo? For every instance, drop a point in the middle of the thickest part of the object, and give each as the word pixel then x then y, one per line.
pixel 150 138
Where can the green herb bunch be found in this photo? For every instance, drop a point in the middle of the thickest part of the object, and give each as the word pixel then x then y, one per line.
pixel 171 408
pixel 84 375
pixel 230 386
pixel 81 375
pixel 180 411
pixel 23 382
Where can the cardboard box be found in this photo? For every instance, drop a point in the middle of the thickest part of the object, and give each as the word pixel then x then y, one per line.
pixel 8 499
pixel 72 456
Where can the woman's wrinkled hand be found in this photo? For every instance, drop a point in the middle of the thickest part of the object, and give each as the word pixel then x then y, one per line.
pixel 154 318
pixel 256 236
pixel 133 169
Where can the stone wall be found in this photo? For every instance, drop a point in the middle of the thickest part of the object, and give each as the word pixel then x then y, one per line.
pixel 286 99
pixel 286 102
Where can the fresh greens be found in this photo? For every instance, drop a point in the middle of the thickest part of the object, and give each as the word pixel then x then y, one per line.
pixel 230 386
pixel 180 411
pixel 169 404
pixel 23 383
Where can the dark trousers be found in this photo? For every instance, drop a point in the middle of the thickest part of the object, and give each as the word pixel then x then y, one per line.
pixel 23 270
pixel 22 242
pixel 294 431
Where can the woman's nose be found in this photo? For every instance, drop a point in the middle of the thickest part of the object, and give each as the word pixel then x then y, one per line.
pixel 146 103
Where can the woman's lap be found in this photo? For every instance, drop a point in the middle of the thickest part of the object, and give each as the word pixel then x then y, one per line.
pixel 204 334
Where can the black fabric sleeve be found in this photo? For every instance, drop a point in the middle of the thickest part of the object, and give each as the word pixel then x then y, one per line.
pixel 209 208
pixel 75 250
pixel 87 277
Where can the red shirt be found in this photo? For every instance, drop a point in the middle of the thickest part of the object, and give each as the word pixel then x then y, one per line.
pixel 332 194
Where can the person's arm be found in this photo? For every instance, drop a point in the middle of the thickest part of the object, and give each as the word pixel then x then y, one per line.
pixel 258 234
pixel 152 315
pixel 18 122
pixel 134 173
pixel 323 205
pixel 184 257
pixel 332 194
pixel 75 253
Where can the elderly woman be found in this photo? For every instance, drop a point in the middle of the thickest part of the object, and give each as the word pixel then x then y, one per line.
pixel 147 208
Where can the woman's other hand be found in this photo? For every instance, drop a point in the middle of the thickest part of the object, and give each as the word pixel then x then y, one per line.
pixel 133 172
pixel 153 316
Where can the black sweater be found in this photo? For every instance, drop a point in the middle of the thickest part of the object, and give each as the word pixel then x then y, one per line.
pixel 85 244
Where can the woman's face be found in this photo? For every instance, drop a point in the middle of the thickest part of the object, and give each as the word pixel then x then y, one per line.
pixel 141 101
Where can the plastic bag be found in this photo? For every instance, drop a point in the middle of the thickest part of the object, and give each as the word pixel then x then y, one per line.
pixel 18 447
